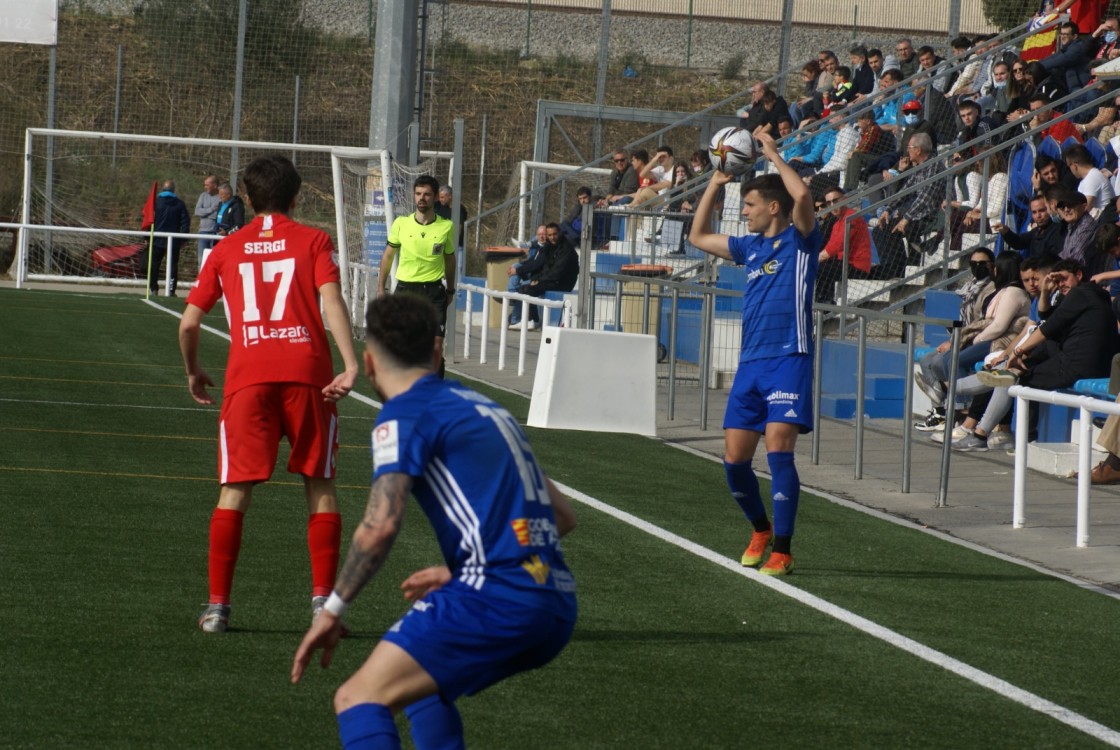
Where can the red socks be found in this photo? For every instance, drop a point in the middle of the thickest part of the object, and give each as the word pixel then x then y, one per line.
pixel 225 544
pixel 324 535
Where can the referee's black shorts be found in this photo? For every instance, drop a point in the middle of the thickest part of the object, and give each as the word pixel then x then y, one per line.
pixel 433 291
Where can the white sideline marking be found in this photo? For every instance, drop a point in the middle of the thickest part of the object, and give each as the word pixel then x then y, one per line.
pixel 364 399
pixel 899 641
pixel 909 645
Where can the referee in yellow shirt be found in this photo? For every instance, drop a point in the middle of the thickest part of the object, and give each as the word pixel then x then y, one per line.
pixel 426 243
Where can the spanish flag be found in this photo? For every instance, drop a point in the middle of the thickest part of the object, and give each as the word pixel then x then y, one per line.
pixel 521 529
pixel 1043 43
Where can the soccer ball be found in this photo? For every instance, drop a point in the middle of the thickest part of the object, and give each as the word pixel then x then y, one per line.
pixel 732 150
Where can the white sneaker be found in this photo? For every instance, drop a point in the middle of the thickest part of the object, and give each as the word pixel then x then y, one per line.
pixel 958 433
pixel 534 325
pixel 215 619
pixel 1000 439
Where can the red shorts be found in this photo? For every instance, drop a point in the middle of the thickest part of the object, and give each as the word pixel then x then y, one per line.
pixel 254 418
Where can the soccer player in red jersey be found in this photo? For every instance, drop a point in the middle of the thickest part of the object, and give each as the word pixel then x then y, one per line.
pixel 274 273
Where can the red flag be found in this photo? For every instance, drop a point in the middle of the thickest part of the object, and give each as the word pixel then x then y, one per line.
pixel 148 218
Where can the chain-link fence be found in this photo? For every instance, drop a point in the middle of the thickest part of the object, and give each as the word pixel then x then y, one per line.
pixel 166 67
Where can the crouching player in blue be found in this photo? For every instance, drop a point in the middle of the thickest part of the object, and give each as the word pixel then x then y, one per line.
pixel 505 601
pixel 773 388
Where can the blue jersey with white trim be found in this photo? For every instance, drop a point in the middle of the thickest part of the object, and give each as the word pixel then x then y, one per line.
pixel 476 478
pixel 778 300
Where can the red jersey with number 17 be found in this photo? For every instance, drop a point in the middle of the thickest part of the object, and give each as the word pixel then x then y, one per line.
pixel 270 272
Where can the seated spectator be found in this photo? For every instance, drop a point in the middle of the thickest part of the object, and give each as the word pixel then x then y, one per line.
pixel 828 62
pixel 873 143
pixel 1060 127
pixel 907 60
pixel 764 111
pixel 1104 120
pixel 639 159
pixel 811 102
pixel 1108 245
pixel 682 176
pixel 1092 182
pixel 893 164
pixel 887 108
pixel 1075 340
pixel 1106 38
pixel 842 93
pixel 995 301
pixel 862 77
pixel 624 180
pixel 1044 83
pixel 572 227
pixel 554 269
pixel 658 173
pixel 974 126
pixel 1049 172
pixel 995 94
pixel 833 171
pixel 904 222
pixel 535 245
pixel 1080 230
pixel 994 194
pixel 1019 90
pixel 830 267
pixel 929 62
pixel 1071 61
pixel 1043 237
pixel 968 81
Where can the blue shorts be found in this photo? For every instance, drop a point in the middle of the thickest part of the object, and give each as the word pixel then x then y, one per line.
pixel 468 641
pixel 776 389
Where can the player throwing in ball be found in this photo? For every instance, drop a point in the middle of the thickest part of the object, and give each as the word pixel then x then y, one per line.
pixel 505 601
pixel 771 397
pixel 273 273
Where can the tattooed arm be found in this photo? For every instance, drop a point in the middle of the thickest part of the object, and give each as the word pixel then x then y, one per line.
pixel 369 547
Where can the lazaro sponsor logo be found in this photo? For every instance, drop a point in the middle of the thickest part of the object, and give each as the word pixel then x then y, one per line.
pixel 254 334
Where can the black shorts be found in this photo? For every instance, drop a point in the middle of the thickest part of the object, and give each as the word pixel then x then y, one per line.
pixel 433 291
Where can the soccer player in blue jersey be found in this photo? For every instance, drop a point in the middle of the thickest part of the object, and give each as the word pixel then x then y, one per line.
pixel 771 397
pixel 504 602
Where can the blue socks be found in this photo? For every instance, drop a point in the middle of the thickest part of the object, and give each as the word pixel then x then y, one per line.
pixel 785 488
pixel 744 488
pixel 435 724
pixel 368 726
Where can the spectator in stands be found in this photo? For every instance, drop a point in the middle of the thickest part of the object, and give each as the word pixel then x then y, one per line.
pixel 1092 182
pixel 1000 309
pixel 894 164
pixel 1059 129
pixel 658 173
pixel 928 61
pixel 994 194
pixel 682 175
pixel 876 62
pixel 1080 230
pixel 535 245
pixel 995 94
pixel 833 171
pixel 1071 61
pixel 1103 125
pixel 639 159
pixel 973 126
pixel 873 143
pixel 887 108
pixel 1075 340
pixel 968 82
pixel 1044 83
pixel 828 62
pixel 907 60
pixel 555 269
pixel 624 180
pixel 905 221
pixel 820 145
pixel 830 261
pixel 572 227
pixel 842 93
pixel 231 212
pixel 1049 172
pixel 1043 237
pixel 766 107
pixel 863 77
pixel 443 208
pixel 171 216
pixel 810 103
pixel 1108 244
pixel 206 209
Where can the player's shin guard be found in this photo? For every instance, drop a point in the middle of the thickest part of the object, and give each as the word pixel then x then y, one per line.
pixel 744 488
pixel 225 545
pixel 785 489
pixel 324 534
pixel 435 724
pixel 368 726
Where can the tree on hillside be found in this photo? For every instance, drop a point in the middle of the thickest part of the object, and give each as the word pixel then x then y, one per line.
pixel 1007 14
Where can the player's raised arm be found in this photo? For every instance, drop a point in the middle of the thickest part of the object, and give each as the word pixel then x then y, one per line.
pixel 803 216
pixel 338 320
pixel 702 235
